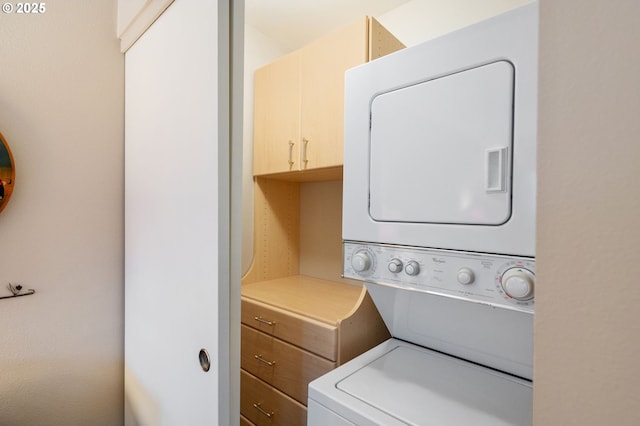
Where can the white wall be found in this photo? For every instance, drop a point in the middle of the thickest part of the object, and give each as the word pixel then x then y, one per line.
pixel 422 20
pixel 61 110
pixel 587 328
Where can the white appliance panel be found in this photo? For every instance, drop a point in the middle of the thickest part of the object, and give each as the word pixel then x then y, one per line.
pixel 497 338
pixel 399 189
pixel 466 276
pixel 323 416
pixel 397 383
pixel 454 302
pixel 440 149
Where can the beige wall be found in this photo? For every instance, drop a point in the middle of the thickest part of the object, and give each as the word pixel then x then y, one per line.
pixel 321 230
pixel 61 109
pixel 587 326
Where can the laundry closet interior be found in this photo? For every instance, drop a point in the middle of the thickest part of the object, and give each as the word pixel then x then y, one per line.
pixel 300 318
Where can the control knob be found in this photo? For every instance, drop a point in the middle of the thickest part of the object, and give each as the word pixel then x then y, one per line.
pixel 361 261
pixel 395 265
pixel 518 283
pixel 466 276
pixel 412 268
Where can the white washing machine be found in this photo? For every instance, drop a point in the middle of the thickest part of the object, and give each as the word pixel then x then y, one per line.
pixel 439 222
pixel 462 347
pixel 398 383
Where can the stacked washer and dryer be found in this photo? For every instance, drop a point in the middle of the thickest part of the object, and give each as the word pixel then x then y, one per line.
pixel 439 222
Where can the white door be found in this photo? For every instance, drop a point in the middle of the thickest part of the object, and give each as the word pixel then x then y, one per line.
pixel 176 219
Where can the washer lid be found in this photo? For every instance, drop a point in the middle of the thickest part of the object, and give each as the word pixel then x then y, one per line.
pixel 422 387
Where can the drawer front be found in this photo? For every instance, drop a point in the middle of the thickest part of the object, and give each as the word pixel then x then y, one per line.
pixel 312 335
pixel 263 405
pixel 284 366
pixel 244 421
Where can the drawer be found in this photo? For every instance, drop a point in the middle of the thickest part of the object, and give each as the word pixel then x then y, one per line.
pixel 263 405
pixel 284 366
pixel 244 421
pixel 312 335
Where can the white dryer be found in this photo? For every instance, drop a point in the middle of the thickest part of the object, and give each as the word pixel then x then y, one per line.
pixel 439 222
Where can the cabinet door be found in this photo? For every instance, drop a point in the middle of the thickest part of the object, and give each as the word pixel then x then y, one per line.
pixel 277 116
pixel 323 64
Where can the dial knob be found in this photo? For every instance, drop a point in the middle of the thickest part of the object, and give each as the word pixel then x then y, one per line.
pixel 518 283
pixel 395 265
pixel 361 261
pixel 466 276
pixel 412 268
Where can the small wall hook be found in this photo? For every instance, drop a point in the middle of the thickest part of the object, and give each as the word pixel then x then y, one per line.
pixel 16 291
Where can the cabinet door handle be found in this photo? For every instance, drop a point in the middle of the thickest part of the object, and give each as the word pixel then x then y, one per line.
pixel 264 361
pixel 291 153
pixel 258 406
pixel 305 142
pixel 264 321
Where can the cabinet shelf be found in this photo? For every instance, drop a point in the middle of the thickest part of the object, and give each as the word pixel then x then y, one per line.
pixel 313 175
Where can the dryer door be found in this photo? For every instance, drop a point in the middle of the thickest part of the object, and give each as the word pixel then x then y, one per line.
pixel 440 150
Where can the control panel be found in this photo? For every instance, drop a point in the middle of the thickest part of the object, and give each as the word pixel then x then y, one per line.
pixel 484 278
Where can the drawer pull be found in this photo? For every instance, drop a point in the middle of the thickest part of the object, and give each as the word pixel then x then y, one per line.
pixel 269 363
pixel 258 407
pixel 264 321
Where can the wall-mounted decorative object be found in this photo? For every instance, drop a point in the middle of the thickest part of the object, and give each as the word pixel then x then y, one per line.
pixel 16 291
pixel 7 172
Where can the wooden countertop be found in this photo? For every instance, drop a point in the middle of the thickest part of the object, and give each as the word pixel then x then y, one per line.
pixel 325 301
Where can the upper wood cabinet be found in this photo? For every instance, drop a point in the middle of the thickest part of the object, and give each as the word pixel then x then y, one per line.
pixel 299 99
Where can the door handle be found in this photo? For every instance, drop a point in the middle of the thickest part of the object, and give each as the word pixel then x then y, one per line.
pixel 496 168
pixel 205 360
